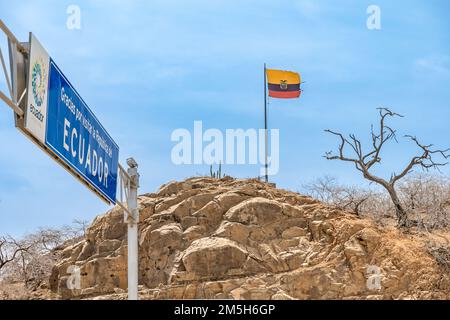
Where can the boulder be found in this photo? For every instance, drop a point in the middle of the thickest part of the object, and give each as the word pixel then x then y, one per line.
pixel 212 257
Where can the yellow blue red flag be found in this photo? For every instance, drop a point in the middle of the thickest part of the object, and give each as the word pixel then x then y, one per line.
pixel 283 84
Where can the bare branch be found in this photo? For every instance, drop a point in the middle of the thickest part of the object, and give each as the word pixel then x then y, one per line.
pixel 344 141
pixel 9 248
pixel 425 160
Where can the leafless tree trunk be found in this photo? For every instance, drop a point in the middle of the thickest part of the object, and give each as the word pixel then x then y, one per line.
pixel 365 161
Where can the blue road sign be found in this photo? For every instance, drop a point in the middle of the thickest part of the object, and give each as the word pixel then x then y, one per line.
pixel 58 118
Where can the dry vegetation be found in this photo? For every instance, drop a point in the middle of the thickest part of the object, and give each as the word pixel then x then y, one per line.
pixel 26 263
pixel 424 197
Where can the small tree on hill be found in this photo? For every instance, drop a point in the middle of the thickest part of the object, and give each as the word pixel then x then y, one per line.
pixel 364 162
pixel 9 250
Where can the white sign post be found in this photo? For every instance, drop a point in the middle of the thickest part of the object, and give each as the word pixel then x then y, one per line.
pixel 127 200
pixel 46 103
pixel 132 220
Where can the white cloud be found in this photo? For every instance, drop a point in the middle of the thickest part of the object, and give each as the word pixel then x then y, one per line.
pixel 436 63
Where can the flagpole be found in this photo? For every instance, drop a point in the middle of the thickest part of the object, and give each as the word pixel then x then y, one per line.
pixel 265 124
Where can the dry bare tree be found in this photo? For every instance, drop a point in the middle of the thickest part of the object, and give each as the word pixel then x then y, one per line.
pixel 9 249
pixel 364 161
pixel 31 258
pixel 80 227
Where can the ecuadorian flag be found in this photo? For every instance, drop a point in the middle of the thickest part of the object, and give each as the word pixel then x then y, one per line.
pixel 283 84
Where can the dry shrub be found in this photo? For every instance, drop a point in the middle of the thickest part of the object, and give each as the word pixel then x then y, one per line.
pixel 32 266
pixel 440 252
pixel 425 197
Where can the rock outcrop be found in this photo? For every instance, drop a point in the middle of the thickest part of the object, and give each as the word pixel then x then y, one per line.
pixel 245 239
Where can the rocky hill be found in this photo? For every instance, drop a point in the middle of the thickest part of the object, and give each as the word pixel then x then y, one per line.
pixel 245 239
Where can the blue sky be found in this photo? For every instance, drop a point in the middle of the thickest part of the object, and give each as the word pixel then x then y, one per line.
pixel 147 68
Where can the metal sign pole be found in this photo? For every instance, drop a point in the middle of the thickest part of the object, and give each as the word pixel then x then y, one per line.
pixel 133 219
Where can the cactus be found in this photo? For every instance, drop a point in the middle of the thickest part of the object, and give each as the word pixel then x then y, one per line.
pixel 215 174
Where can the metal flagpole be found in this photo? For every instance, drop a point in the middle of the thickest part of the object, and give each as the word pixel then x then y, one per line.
pixel 265 124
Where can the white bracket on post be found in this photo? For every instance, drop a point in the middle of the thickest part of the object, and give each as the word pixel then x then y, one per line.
pixel 15 80
pixel 129 184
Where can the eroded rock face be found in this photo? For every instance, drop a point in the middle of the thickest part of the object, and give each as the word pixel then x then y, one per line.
pixel 213 257
pixel 244 239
